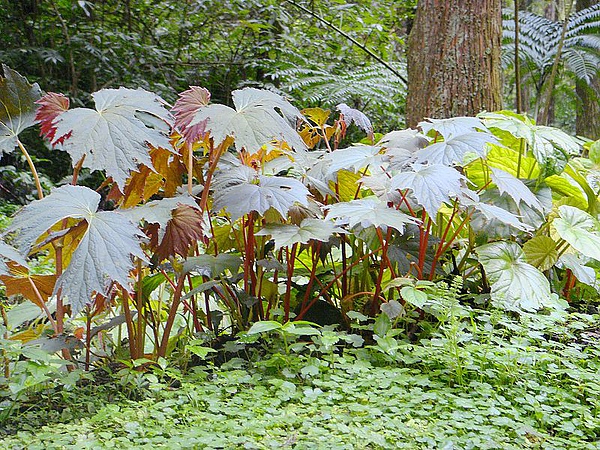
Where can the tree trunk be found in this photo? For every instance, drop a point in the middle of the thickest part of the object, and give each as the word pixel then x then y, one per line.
pixel 454 59
pixel 588 110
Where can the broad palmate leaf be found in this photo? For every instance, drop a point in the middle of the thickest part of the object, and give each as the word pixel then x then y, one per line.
pixel 431 185
pixel 368 212
pixel 454 149
pixel 115 136
pixel 242 190
pixel 514 187
pixel 258 118
pixel 579 229
pixel 309 229
pixel 516 285
pixel 350 115
pixel 452 127
pixel 17 107
pixel 103 254
pixel 354 158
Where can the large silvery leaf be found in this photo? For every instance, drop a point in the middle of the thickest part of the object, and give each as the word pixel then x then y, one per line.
pixel 354 158
pixel 351 115
pixel 431 185
pixel 114 137
pixel 368 212
pixel 17 107
pixel 309 229
pixel 583 273
pixel 516 285
pixel 452 127
pixel 579 229
pixel 8 253
pixel 242 190
pixel 454 150
pixel 493 212
pixel 514 187
pixel 258 118
pixel 103 254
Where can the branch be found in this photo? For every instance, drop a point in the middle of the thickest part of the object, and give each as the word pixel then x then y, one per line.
pixel 368 51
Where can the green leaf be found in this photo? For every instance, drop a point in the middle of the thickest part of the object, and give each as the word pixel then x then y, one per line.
pixel 17 107
pixel 368 212
pixel 242 190
pixel 540 251
pixel 102 256
pixel 579 229
pixel 255 121
pixel 382 325
pixel 516 285
pixel 309 229
pixel 594 152
pixel 264 327
pixel 212 266
pixel 414 296
pixel 114 137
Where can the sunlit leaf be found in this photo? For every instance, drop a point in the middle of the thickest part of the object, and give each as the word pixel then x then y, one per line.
pixel 541 252
pixel 579 229
pixel 258 118
pixel 17 107
pixel 29 286
pixel 452 127
pixel 515 188
pixel 242 190
pixel 368 212
pixel 493 212
pixel 431 185
pixel 309 229
pixel 354 158
pixel 103 254
pixel 516 285
pixel 583 273
pixel 115 136
pixel 454 149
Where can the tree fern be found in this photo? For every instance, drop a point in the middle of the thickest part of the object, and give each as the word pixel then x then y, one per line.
pixel 539 40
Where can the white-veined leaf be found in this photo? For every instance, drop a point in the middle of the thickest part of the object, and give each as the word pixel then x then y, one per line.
pixel 516 285
pixel 515 188
pixel 256 120
pixel 104 252
pixel 355 158
pixel 309 229
pixel 454 149
pixel 368 212
pixel 579 229
pixel 115 136
pixel 453 127
pixel 493 212
pixel 431 185
pixel 242 190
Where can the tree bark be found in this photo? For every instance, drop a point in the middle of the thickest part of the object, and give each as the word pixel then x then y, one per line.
pixel 454 59
pixel 588 110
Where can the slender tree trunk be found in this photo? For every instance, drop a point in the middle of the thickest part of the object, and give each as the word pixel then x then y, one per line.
pixel 454 59
pixel 588 110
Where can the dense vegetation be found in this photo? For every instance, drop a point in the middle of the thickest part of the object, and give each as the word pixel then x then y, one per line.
pixel 222 260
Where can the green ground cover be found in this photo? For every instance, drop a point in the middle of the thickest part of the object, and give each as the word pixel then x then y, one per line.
pixel 478 381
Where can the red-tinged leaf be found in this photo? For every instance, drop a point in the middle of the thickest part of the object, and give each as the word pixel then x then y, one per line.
pixel 51 105
pixel 25 284
pixel 183 231
pixel 17 107
pixel 185 109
